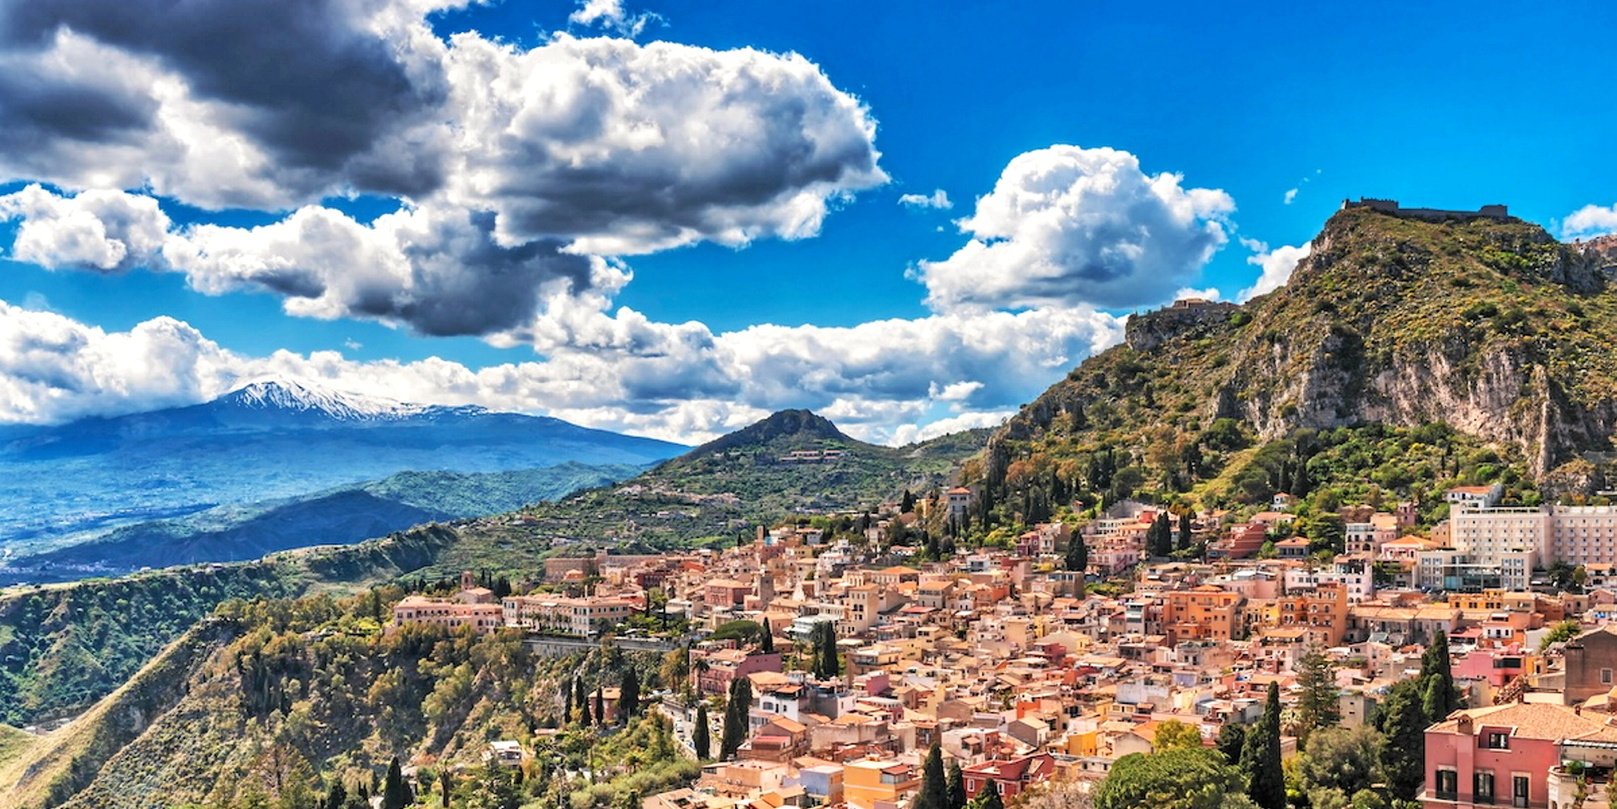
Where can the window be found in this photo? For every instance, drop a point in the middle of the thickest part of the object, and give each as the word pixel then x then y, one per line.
pixel 1448 785
pixel 1482 787
pixel 1498 741
pixel 1605 676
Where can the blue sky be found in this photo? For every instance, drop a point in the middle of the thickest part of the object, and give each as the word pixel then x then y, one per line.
pixel 1450 105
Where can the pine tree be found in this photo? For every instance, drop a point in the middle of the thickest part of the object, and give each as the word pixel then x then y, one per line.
pixel 629 696
pixel 1318 705
pixel 766 641
pixel 989 797
pixel 934 790
pixel 1260 757
pixel 395 795
pixel 700 737
pixel 956 793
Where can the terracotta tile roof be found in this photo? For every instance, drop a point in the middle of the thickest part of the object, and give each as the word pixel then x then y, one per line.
pixel 1531 720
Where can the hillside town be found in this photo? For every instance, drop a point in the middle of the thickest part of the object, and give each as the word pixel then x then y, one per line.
pixel 1039 665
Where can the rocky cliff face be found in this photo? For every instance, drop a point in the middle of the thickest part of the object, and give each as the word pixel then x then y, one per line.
pixel 1491 327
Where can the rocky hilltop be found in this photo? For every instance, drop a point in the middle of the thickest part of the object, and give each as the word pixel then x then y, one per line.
pixel 1485 324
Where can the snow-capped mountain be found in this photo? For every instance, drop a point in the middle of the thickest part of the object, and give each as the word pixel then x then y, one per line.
pixel 301 397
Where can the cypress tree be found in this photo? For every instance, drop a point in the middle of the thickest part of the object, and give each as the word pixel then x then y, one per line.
pixel 1403 755
pixel 1435 665
pixel 582 697
pixel 766 642
pixel 1077 559
pixel 956 794
pixel 336 796
pixel 1231 738
pixel 567 701
pixel 735 718
pixel 446 782
pixel 1185 531
pixel 600 706
pixel 934 791
pixel 700 738
pixel 989 797
pixel 395 795
pixel 629 697
pixel 827 663
pixel 1260 757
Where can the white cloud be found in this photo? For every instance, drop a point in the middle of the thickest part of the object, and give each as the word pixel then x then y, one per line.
pixel 938 199
pixel 1210 294
pixel 1068 225
pixel 609 14
pixel 606 146
pixel 614 148
pixel 438 271
pixel 1291 195
pixel 1277 266
pixel 912 433
pixel 1590 220
pixel 96 230
pixel 689 384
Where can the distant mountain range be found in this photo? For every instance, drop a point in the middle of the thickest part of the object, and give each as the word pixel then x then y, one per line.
pixel 266 442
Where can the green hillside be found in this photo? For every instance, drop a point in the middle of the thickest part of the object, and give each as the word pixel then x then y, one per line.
pixel 1471 348
pixel 64 646
pixel 337 516
pixel 279 700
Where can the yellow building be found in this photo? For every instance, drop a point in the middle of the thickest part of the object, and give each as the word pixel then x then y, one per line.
pixel 877 783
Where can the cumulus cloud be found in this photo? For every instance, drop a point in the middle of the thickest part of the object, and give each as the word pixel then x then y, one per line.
pixel 1067 225
pixel 276 101
pixel 1590 220
pixel 605 145
pixel 912 433
pixel 440 272
pixel 1291 196
pixel 614 146
pixel 965 369
pixel 937 199
pixel 94 230
pixel 609 14
pixel 1276 265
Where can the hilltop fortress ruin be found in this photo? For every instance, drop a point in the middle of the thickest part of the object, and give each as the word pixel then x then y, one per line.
pixel 1391 206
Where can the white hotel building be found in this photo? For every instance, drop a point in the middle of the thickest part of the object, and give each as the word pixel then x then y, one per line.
pixel 1516 540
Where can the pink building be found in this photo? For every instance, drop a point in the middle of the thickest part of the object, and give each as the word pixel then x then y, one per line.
pixel 1506 755
pixel 715 670
pixel 1496 666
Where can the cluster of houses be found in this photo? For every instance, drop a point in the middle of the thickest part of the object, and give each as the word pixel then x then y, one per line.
pixel 1021 672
